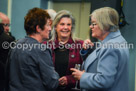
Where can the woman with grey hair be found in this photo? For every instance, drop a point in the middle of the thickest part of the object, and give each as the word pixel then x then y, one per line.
pixel 66 49
pixel 106 68
pixel 61 14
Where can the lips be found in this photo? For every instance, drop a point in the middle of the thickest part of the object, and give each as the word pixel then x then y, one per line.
pixel 65 31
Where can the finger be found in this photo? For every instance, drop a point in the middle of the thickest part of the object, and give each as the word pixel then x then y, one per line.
pixel 86 44
pixel 73 69
pixel 91 44
pixel 75 77
pixel 73 74
pixel 61 79
pixel 87 41
pixel 61 83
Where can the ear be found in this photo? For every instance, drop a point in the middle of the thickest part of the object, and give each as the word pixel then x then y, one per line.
pixel 38 29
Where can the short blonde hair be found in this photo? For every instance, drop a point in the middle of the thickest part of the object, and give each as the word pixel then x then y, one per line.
pixel 107 18
pixel 61 14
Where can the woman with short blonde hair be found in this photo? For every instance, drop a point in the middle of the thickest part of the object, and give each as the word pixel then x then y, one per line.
pixel 106 68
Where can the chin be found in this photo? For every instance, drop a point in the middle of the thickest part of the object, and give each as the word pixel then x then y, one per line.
pixel 93 35
pixel 45 39
pixel 65 36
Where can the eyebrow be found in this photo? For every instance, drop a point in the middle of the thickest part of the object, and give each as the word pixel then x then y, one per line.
pixel 93 21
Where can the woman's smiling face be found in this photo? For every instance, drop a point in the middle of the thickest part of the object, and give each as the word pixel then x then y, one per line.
pixel 63 28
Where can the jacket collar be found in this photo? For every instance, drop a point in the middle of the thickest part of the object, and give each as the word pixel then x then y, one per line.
pixel 57 43
pixel 94 54
pixel 32 39
pixel 111 35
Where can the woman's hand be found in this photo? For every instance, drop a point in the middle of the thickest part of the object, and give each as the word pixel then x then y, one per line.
pixel 76 73
pixel 63 81
pixel 87 43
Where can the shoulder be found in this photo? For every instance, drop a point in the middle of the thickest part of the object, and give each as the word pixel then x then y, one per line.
pixel 5 37
pixel 79 41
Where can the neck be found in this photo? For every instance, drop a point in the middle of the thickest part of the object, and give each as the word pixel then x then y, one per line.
pixel 63 40
pixel 104 35
pixel 36 37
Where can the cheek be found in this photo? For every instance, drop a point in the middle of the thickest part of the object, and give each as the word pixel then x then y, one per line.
pixel 46 31
pixel 58 28
pixel 95 33
pixel 70 28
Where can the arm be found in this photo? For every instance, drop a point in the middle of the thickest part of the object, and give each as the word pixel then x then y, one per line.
pixel 106 71
pixel 88 47
pixel 47 71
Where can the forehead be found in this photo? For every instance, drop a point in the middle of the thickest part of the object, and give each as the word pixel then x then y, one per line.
pixel 65 19
pixel 48 21
pixel 93 19
pixel 5 21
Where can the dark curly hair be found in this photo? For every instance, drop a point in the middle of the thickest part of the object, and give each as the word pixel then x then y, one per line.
pixel 34 17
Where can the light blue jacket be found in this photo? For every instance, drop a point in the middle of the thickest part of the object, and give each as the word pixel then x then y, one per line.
pixel 106 68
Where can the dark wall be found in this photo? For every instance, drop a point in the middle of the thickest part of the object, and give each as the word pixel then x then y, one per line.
pixel 116 4
pixel 70 0
pixel 129 32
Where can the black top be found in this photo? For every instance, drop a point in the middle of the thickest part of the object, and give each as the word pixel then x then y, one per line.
pixel 61 61
pixel 5 40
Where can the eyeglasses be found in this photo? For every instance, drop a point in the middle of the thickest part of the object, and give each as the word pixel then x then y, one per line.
pixel 93 24
pixel 6 25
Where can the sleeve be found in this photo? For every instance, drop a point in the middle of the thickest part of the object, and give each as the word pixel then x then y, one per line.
pixel 106 71
pixel 84 53
pixel 71 80
pixel 48 74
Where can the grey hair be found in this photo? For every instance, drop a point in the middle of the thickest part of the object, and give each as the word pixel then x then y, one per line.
pixel 61 14
pixel 52 13
pixel 107 18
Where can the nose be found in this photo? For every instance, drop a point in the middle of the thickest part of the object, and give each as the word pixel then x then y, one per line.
pixel 49 28
pixel 91 26
pixel 6 28
pixel 65 26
